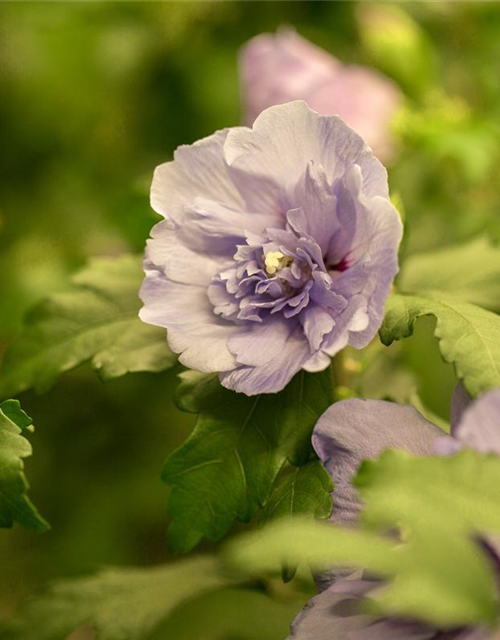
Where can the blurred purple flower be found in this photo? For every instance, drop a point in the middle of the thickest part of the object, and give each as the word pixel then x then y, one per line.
pixel 283 67
pixel 278 248
pixel 346 434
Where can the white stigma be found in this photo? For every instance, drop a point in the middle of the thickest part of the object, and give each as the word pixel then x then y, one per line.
pixel 275 260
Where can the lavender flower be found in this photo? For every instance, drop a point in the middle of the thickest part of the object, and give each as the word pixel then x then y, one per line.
pixel 278 248
pixel 353 430
pixel 283 67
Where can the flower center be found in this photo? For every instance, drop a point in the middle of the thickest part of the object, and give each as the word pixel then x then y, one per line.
pixel 275 261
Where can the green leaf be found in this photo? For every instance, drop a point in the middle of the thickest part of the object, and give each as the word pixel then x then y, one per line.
pixel 14 504
pixel 119 604
pixel 304 491
pixel 321 545
pixel 469 336
pixel 96 320
pixel 437 571
pixel 471 271
pixel 226 470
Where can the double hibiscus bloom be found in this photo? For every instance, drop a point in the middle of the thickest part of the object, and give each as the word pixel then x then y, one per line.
pixel 277 249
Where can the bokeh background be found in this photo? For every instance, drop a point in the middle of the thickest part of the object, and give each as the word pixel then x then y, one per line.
pixel 92 97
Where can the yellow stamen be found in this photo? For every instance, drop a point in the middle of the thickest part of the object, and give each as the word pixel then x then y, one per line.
pixel 275 260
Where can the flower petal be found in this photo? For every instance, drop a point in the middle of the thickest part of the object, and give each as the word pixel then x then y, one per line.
pixel 337 613
pixel 394 629
pixel 275 374
pixel 198 170
pixel 352 319
pixel 317 206
pixel 460 400
pixel 368 239
pixel 334 613
pixel 353 430
pixel 217 229
pixel 479 427
pixel 256 344
pixel 317 362
pixel 317 324
pixel 266 160
pixel 193 330
pixel 170 254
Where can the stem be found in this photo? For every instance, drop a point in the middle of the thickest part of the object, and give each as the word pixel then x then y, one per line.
pixel 343 368
pixel 337 371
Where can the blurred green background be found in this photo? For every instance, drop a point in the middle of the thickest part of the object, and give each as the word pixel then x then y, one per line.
pixel 93 95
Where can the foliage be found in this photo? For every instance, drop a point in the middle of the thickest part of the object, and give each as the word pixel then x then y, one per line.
pixel 469 336
pixel 15 506
pixel 96 320
pixel 438 546
pixel 226 470
pixel 304 490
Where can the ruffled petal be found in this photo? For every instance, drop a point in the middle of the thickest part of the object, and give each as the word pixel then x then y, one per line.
pixel 370 233
pixel 193 330
pixel 351 320
pixel 318 206
pixel 266 160
pixel 217 229
pixel 317 324
pixel 198 170
pixel 353 430
pixel 317 362
pixel 275 374
pixel 167 250
pixel 256 344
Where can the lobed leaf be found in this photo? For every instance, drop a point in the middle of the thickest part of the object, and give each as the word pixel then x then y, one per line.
pixel 15 506
pixel 469 336
pixel 305 490
pixel 227 468
pixel 97 321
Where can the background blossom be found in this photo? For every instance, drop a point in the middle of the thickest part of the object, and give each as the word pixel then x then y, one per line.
pixel 284 66
pixel 278 248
